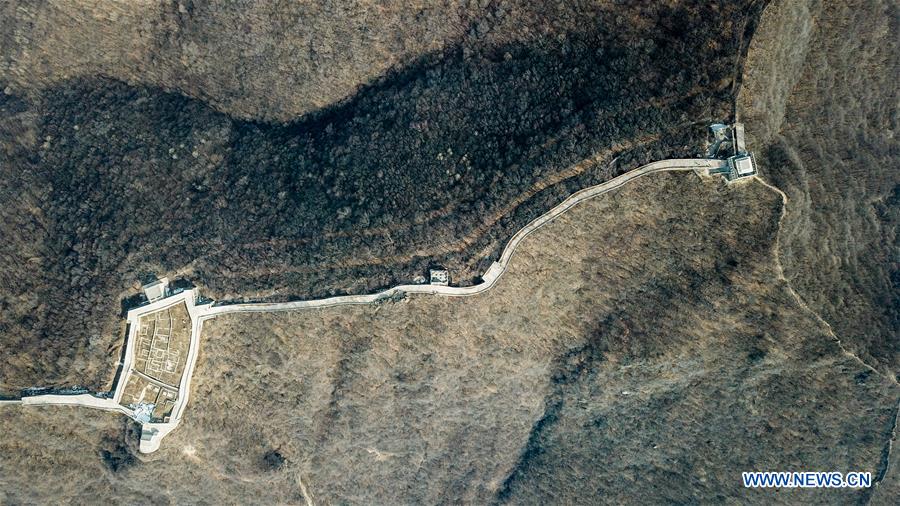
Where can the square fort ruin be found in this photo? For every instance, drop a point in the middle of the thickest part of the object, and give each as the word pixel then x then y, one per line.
pixel 160 353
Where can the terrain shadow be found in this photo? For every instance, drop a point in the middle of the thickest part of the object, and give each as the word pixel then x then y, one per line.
pixel 439 162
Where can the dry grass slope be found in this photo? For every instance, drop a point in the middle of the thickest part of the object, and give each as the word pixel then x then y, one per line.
pixel 439 161
pixel 270 61
pixel 639 349
pixel 825 130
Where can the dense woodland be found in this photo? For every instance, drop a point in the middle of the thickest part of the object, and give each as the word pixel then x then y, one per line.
pixel 104 183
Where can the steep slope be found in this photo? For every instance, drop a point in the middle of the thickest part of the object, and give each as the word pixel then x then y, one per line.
pixel 820 98
pixel 438 162
pixel 639 349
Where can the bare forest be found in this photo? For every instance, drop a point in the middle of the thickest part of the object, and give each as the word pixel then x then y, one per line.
pixel 437 162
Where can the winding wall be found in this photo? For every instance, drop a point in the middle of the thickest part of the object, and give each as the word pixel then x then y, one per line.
pixel 153 433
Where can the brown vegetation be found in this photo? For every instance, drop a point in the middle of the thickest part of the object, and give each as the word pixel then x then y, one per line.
pixel 643 359
pixel 438 162
pixel 263 60
pixel 641 349
pixel 820 101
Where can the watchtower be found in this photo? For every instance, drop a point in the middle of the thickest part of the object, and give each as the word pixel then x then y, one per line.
pixel 439 277
pixel 156 290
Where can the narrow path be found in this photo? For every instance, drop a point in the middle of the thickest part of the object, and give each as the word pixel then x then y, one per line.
pixel 884 465
pixel 798 298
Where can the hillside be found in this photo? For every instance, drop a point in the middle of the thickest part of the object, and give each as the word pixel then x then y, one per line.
pixel 439 161
pixel 820 98
pixel 646 347
pixel 650 358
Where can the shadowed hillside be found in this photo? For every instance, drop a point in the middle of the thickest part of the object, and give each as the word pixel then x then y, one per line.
pixel 438 162
pixel 646 359
pixel 821 102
